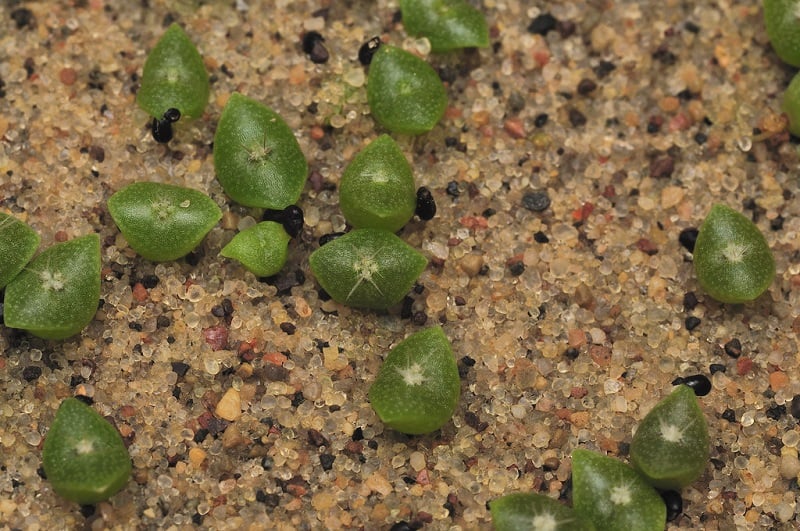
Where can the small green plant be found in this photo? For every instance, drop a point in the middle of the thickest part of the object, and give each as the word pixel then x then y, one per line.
pixel 56 295
pixel 529 511
pixel 163 222
pixel 256 156
pixel 732 260
pixel 782 21
pixel 367 268
pixel 791 105
pixel 417 388
pixel 83 455
pixel 262 249
pixel 448 24
pixel 377 187
pixel 671 445
pixel 174 77
pixel 613 495
pixel 18 244
pixel 404 93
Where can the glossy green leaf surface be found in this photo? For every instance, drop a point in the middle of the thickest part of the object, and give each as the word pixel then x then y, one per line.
pixel 163 222
pixel 256 156
pixel 732 259
pixel 613 495
pixel 57 294
pixel 528 511
pixel 791 104
pixel 448 24
pixel 83 456
pixel 404 93
pixel 377 187
pixel 174 76
pixel 367 268
pixel 262 248
pixel 671 445
pixel 417 388
pixel 18 243
pixel 782 22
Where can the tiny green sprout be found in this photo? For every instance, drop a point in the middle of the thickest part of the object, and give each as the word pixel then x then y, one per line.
pixel 613 496
pixel 55 296
pixel 732 259
pixel 83 455
pixel 174 77
pixel 529 511
pixel 163 222
pixel 377 187
pixel 448 24
pixel 671 445
pixel 262 249
pixel 18 243
pixel 404 93
pixel 257 158
pixel 417 388
pixel 367 268
pixel 782 22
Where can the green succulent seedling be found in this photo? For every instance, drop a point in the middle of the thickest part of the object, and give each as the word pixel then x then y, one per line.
pixel 83 455
pixel 613 496
pixel 448 24
pixel 732 259
pixel 417 388
pixel 528 511
pixel 56 295
pixel 256 156
pixel 163 222
pixel 404 93
pixel 791 105
pixel 377 187
pixel 174 77
pixel 367 268
pixel 671 445
pixel 262 249
pixel 18 244
pixel 782 22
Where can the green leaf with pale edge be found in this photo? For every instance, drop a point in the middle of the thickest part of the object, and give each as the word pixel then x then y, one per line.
pixel 18 243
pixel 404 93
pixel 256 156
pixel 671 445
pixel 732 259
pixel 377 187
pixel 528 511
pixel 174 76
pixel 57 294
pixel 782 22
pixel 163 222
pixel 448 24
pixel 83 456
pixel 367 268
pixel 417 388
pixel 613 496
pixel 262 248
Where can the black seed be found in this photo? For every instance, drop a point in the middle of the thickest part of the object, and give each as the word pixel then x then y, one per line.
pixel 426 206
pixel 368 49
pixel 358 434
pixel 674 504
pixel 604 68
pixel 692 322
pixel 542 24
pixel 586 86
pixel 288 328
pixel 541 120
pixel 690 301
pixel 162 321
pixel 776 412
pixel 162 130
pixel 576 118
pixel 729 415
pixel 540 237
pixel 452 189
pixel 88 400
pixel 22 17
pixel 700 138
pixel 31 373
pixel 326 460
pixel 516 268
pixel 402 526
pixel 572 353
pixel 328 238
pixel 776 224
pixel 536 201
pixel 688 237
pixel 172 115
pixel 315 49
pixel 290 217
pixel 419 318
pixel 699 383
pixel 717 367
pixel 733 348
pixel 794 406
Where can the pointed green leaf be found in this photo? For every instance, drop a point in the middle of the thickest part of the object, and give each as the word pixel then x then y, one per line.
pixel 783 29
pixel 56 295
pixel 791 104
pixel 732 260
pixel 448 24
pixel 256 156
pixel 534 512
pixel 417 388
pixel 163 222
pixel 367 268
pixel 377 187
pixel 404 93
pixel 671 445
pixel 83 456
pixel 174 76
pixel 18 243
pixel 262 248
pixel 613 495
